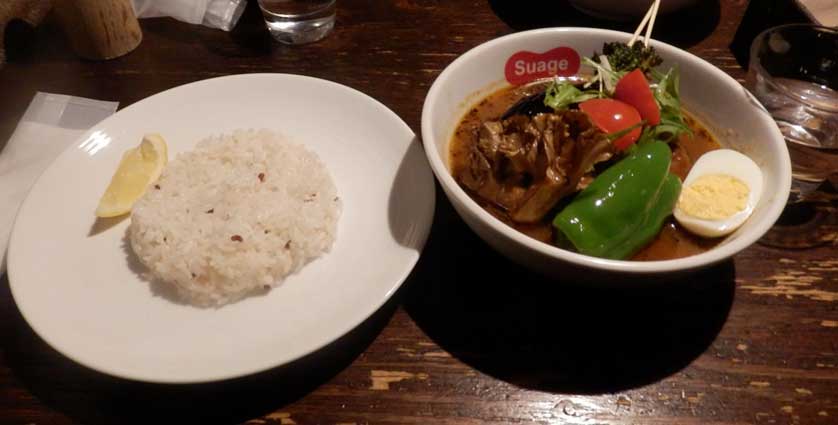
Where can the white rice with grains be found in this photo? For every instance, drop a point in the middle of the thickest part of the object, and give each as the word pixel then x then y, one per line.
pixel 234 216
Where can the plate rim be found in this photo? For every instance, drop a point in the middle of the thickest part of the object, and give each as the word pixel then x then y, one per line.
pixel 426 218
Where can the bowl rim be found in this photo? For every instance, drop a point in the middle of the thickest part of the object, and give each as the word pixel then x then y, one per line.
pixel 714 255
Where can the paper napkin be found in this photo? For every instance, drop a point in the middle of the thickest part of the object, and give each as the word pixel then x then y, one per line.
pixel 51 124
pixel 824 12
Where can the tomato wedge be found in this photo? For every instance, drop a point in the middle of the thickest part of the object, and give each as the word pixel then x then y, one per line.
pixel 611 116
pixel 634 90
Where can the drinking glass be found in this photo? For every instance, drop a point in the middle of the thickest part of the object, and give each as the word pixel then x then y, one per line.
pixel 793 71
pixel 298 21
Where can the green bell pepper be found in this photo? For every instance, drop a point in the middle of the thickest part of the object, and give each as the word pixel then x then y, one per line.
pixel 623 209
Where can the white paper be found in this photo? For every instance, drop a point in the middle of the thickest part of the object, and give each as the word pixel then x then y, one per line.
pixel 823 12
pixel 222 14
pixel 51 124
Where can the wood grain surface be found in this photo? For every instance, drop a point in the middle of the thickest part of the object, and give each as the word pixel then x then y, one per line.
pixel 470 338
pixel 99 29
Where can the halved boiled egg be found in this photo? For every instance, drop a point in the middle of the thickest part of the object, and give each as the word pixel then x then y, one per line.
pixel 720 192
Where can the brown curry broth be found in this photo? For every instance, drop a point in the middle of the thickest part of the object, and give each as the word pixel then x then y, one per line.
pixel 672 242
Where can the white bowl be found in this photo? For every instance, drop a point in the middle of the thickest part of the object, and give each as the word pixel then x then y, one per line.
pixel 719 101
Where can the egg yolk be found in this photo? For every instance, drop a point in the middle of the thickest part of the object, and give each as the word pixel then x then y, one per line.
pixel 714 197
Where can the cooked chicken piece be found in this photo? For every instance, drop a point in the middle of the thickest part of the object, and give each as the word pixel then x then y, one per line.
pixel 525 165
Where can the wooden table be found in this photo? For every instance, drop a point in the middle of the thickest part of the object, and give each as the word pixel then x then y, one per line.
pixel 471 338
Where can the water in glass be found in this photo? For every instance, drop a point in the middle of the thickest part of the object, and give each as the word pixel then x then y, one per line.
pixel 794 74
pixel 298 21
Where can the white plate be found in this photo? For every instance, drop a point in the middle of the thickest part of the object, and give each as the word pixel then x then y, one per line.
pixel 82 293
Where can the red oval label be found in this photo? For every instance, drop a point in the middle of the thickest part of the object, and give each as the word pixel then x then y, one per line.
pixel 524 66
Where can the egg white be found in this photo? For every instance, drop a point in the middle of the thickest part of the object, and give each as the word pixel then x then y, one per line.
pixel 732 163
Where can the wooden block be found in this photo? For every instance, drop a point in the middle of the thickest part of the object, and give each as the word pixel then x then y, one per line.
pixel 99 29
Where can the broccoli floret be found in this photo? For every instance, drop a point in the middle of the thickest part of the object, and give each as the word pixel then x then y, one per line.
pixel 624 58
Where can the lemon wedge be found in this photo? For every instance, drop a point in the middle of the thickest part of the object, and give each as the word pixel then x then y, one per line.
pixel 139 168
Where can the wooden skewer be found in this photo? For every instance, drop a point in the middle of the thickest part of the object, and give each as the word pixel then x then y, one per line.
pixel 650 14
pixel 642 24
pixel 656 5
